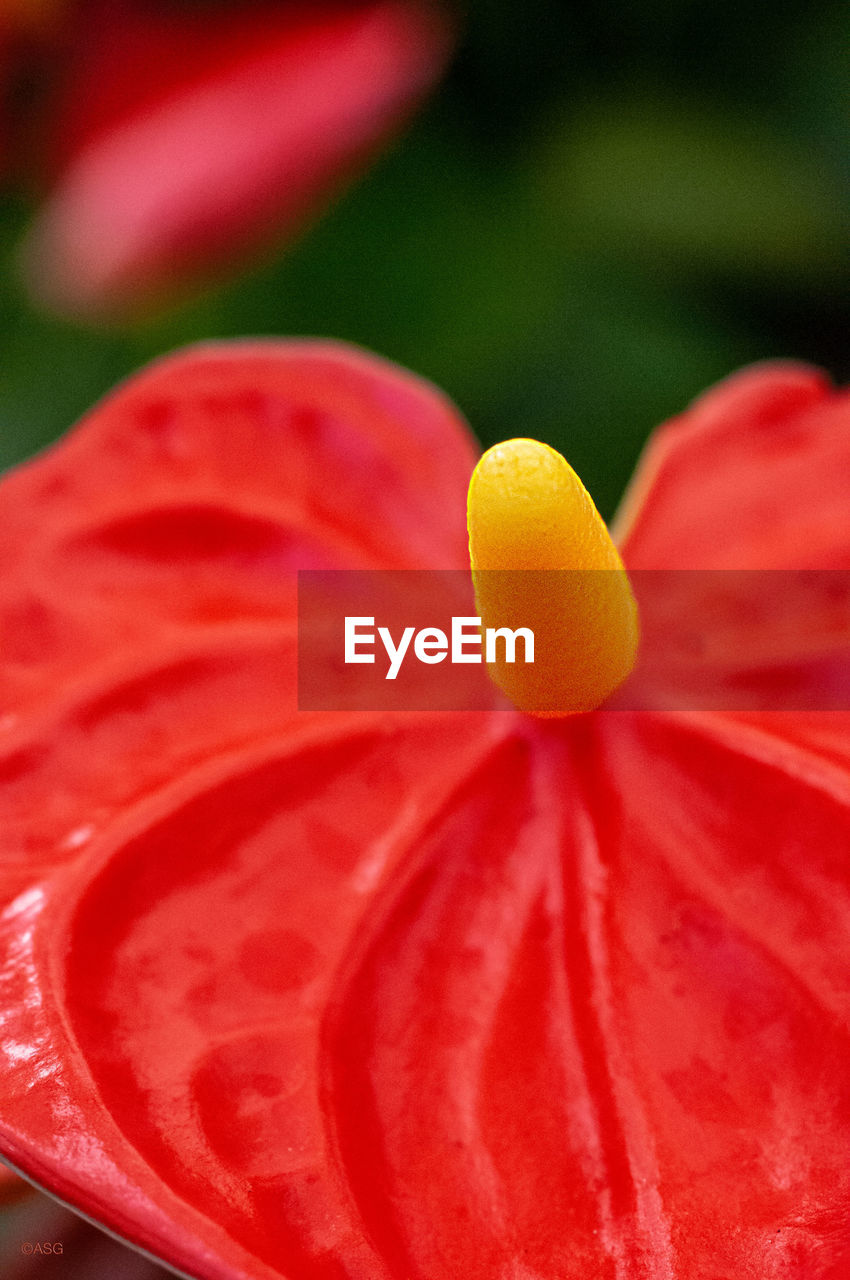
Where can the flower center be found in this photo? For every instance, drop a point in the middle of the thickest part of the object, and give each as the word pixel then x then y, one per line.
pixel 542 558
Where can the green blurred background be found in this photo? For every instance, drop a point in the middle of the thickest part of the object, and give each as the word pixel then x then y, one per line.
pixel 601 211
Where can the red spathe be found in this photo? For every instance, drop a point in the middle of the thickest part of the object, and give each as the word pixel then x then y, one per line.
pixel 407 995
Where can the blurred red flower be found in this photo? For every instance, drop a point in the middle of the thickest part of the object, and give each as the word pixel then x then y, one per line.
pixel 421 995
pixel 174 136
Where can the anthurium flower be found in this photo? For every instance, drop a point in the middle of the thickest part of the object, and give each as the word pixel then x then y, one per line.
pixel 175 137
pixel 374 995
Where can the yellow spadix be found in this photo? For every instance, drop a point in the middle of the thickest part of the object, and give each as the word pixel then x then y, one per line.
pixel 543 559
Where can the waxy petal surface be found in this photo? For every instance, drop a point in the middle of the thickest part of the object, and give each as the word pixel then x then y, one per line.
pixel 147 624
pixel 736 529
pixel 638 1067
pixel 754 475
pixel 387 997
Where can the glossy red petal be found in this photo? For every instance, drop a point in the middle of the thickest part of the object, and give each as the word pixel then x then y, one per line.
pixel 149 730
pixel 488 1130
pixel 824 738
pixel 745 488
pixel 630 1060
pixel 213 134
pixel 768 640
pixel 753 476
pixel 726 961
pixel 388 997
pixel 170 525
pixel 165 988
